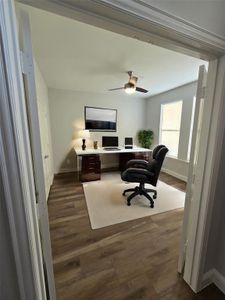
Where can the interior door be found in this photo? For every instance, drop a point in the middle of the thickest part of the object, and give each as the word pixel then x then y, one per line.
pixel 194 184
pixel 43 114
pixel 37 157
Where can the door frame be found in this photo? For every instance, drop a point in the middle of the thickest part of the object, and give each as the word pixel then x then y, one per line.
pixel 215 94
pixel 16 164
pixel 213 152
pixel 196 178
pixel 191 177
pixel 26 54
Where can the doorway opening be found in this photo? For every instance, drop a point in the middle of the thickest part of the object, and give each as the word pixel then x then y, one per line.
pixel 67 194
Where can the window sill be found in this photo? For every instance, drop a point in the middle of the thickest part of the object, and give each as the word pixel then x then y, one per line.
pixel 176 158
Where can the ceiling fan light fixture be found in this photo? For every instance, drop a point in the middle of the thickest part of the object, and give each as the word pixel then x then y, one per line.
pixel 129 88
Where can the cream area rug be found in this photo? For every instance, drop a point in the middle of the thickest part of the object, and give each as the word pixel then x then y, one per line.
pixel 106 205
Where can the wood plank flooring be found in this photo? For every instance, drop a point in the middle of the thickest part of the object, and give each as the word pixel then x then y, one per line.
pixel 132 260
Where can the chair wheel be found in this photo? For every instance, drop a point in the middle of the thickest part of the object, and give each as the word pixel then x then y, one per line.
pixel 152 205
pixel 123 194
pixel 154 197
pixel 128 203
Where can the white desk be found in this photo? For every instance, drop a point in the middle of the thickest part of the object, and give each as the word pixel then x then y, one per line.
pixel 100 151
pixel 80 152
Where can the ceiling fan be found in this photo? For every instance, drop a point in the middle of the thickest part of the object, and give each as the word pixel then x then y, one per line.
pixel 131 86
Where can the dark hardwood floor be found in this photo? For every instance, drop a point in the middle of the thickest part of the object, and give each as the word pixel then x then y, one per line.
pixel 131 260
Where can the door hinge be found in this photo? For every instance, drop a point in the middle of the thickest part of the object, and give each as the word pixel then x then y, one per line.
pixel 202 92
pixel 22 62
pixel 37 196
pixel 185 248
pixel 184 256
pixel 193 178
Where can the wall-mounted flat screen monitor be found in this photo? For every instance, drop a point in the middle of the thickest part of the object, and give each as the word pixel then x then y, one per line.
pixel 100 119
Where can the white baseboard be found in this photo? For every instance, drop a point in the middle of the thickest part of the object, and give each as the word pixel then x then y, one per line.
pixel 213 276
pixel 219 281
pixel 174 174
pixel 66 170
pixel 207 278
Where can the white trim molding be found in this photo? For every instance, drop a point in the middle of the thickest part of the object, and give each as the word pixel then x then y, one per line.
pixel 152 25
pixel 211 172
pixel 16 163
pixel 134 19
pixel 207 279
pixel 175 174
pixel 35 148
pixel 146 11
pixel 214 276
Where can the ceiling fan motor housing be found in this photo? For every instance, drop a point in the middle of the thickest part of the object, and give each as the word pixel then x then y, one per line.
pixel 129 85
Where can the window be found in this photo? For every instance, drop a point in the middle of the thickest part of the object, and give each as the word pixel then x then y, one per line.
pixel 170 126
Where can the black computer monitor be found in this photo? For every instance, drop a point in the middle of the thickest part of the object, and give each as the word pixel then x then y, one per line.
pixel 128 141
pixel 110 141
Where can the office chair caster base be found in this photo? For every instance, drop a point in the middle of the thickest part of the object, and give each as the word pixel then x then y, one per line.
pixel 140 190
pixel 129 190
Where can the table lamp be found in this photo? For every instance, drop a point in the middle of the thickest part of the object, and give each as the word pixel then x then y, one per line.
pixel 84 134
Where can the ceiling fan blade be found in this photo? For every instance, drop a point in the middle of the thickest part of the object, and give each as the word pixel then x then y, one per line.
pixel 116 89
pixel 139 89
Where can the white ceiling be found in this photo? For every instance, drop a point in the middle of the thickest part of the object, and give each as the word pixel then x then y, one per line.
pixel 76 56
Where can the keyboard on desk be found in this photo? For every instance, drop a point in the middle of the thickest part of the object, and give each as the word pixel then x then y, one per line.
pixel 111 149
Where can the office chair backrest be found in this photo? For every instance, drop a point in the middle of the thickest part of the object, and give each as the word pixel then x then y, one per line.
pixel 156 149
pixel 155 164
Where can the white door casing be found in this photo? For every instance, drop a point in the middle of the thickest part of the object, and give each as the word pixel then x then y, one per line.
pixel 200 38
pixel 195 218
pixel 35 137
pixel 194 152
pixel 16 163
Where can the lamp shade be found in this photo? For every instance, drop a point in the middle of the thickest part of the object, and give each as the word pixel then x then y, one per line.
pixel 84 134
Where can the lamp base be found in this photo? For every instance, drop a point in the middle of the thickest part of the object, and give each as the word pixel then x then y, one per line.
pixel 83 146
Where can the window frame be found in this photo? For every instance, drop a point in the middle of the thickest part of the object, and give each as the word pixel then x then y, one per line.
pixel 160 125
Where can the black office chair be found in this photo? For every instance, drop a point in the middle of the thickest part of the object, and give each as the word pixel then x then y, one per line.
pixel 143 172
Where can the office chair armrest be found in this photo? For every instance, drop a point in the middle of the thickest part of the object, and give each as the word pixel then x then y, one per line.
pixel 137 163
pixel 138 171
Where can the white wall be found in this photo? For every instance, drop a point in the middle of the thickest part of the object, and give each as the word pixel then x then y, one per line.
pixel 67 118
pixel 133 114
pixel 178 167
pixel 44 121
